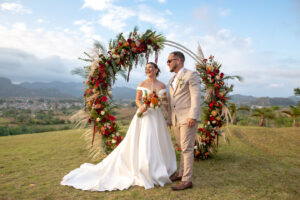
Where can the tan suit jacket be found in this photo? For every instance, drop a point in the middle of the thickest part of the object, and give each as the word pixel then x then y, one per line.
pixel 184 99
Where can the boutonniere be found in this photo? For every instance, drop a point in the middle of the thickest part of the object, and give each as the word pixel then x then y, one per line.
pixel 181 82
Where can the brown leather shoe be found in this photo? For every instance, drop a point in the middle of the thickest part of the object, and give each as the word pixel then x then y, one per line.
pixel 182 185
pixel 175 178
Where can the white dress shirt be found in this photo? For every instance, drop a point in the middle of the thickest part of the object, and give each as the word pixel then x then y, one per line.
pixel 176 78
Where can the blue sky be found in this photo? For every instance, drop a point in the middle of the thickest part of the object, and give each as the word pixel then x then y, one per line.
pixel 256 39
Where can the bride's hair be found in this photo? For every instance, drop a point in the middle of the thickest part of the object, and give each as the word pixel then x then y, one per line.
pixel 155 66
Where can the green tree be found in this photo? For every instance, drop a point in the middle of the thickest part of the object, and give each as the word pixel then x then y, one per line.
pixel 233 110
pixel 263 114
pixel 297 91
pixel 294 112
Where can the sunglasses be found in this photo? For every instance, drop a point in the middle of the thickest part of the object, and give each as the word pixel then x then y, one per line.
pixel 169 61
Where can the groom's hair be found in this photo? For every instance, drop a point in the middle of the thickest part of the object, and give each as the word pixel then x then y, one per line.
pixel 179 55
pixel 155 66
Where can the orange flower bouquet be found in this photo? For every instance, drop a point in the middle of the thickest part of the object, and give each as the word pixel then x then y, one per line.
pixel 151 100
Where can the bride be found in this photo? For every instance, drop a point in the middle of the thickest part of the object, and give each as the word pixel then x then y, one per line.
pixel 145 157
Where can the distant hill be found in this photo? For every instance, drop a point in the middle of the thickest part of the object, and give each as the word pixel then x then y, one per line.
pixel 123 93
pixel 74 89
pixel 8 89
pixel 264 101
pixel 237 98
pixel 276 101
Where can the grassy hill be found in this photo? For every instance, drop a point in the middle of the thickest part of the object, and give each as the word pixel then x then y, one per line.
pixel 258 163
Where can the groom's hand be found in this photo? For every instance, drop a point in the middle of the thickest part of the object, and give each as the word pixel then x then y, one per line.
pixel 191 122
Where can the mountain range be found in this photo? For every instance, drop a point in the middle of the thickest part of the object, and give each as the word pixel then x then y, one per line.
pixel 75 89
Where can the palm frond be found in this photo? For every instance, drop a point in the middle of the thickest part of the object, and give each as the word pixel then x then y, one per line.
pixel 80 71
pixel 98 45
pixel 234 77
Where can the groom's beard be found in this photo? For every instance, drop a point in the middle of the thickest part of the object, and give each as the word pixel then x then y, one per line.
pixel 174 68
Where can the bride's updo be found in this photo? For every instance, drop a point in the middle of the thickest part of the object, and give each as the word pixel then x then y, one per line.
pixel 155 66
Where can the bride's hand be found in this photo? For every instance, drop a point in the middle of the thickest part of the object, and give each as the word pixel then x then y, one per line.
pixel 142 109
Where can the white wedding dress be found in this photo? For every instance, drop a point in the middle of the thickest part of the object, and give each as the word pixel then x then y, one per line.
pixel 145 157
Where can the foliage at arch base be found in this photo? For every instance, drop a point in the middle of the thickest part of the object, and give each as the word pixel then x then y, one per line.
pixel 214 108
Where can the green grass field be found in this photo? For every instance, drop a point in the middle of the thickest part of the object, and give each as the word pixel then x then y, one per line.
pixel 258 163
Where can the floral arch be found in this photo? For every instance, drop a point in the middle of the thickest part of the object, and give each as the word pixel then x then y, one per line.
pixel 122 55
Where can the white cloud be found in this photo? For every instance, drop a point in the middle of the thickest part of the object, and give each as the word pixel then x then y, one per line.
pixel 264 73
pixel 115 18
pixel 225 12
pixel 21 66
pixel 147 14
pixel 15 8
pixel 79 22
pixel 168 12
pixel 162 1
pixel 42 21
pixel 44 43
pixel 97 5
pixel 87 29
pixel 276 85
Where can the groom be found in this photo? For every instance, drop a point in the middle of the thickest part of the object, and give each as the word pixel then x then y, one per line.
pixel 183 115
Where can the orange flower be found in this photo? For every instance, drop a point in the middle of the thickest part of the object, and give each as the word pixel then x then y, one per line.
pixel 154 101
pixel 133 44
pixel 214 113
pixel 209 68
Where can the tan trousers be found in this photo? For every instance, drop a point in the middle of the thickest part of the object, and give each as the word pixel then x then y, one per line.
pixel 185 138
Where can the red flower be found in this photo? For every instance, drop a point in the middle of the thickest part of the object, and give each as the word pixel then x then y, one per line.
pixel 211 105
pixel 129 40
pixel 212 74
pixel 217 71
pixel 112 118
pixel 104 98
pixel 201 129
pixel 211 57
pixel 205 60
pixel 120 43
pixel 149 41
pixel 221 75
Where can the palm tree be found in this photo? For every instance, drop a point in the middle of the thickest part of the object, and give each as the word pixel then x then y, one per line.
pixel 263 113
pixel 234 110
pixel 297 91
pixel 276 110
pixel 293 113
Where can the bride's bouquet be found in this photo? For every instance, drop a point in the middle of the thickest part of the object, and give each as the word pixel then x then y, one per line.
pixel 151 100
